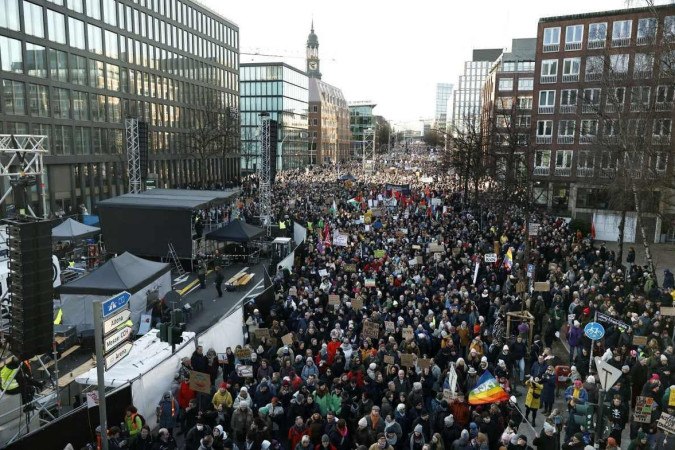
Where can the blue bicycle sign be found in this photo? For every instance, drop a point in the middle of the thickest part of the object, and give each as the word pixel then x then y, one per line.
pixel 594 331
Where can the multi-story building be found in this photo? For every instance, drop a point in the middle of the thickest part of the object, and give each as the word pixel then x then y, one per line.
pixel 74 70
pixel 443 95
pixel 329 134
pixel 281 91
pixel 361 123
pixel 467 98
pixel 507 104
pixel 600 84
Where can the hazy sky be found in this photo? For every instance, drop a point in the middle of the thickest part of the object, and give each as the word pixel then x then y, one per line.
pixel 392 53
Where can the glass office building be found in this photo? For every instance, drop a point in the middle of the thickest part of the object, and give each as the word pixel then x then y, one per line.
pixel 74 69
pixel 361 118
pixel 282 91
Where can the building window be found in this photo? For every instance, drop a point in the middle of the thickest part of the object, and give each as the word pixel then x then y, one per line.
pixel 32 18
pixel 597 35
pixel 97 107
pixel 96 74
pixel 58 65
pixel 588 131
pixel 11 57
pixel 574 35
pixel 544 131
pixel 506 84
pixel 566 131
pixel 113 77
pixel 643 66
pixel 315 108
pixel 61 103
pixel 80 105
pixel 94 39
pixel 10 14
pixel 621 32
pixel 571 68
pixel 595 67
pixel 568 101
pixel 524 102
pixel 549 71
pixel 111 49
pixel 525 84
pixel 13 98
pixel 669 29
pixel 611 129
pixel 546 102
pixel 664 94
pixel 76 33
pixel 551 39
pixel 78 69
pixel 94 9
pixel 38 100
pixel 542 162
pixel 619 64
pixel 36 61
pixel 639 98
pixel 591 100
pixel 662 129
pixel 56 24
pixel 646 31
pixel 504 102
pixel 76 5
pixel 109 12
pixel 615 100
pixel 563 163
pixel 523 121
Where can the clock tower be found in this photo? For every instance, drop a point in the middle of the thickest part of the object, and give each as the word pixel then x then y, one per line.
pixel 313 55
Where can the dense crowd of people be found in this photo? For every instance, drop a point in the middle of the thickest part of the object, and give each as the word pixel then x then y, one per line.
pixel 375 340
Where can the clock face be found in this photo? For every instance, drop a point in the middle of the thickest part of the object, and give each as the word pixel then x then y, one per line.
pixel 313 65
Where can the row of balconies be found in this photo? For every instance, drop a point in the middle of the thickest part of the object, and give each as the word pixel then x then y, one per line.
pixel 600 43
pixel 589 172
pixel 594 108
pixel 590 139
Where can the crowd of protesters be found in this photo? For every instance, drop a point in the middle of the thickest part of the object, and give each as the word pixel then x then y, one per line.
pixel 361 340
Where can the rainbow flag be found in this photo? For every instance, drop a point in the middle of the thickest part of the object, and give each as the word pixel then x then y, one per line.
pixel 508 259
pixel 487 391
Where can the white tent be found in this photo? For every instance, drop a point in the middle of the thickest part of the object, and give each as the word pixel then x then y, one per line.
pixel 126 272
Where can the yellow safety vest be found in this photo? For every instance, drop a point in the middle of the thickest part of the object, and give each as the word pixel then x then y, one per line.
pixel 6 375
pixel 59 317
pixel 282 225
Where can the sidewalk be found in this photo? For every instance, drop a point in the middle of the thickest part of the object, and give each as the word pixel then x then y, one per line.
pixel 663 255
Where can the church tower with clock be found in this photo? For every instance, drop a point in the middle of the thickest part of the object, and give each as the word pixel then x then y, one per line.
pixel 313 55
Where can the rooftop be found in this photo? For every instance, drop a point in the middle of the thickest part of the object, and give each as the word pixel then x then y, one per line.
pixel 614 12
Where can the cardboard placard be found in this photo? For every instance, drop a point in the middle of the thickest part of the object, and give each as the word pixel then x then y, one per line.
pixel 521 287
pixel 333 299
pixel 379 253
pixel 357 303
pixel 436 248
pixel 287 339
pixel 242 353
pixel 369 282
pixel 407 359
pixel 408 333
pixel 667 423
pixel 245 371
pixel 416 247
pixel 222 358
pixel 389 326
pixel 668 310
pixel 261 333
pixel 388 359
pixel 639 340
pixel 350 268
pixel 420 259
pixel 643 409
pixel 200 382
pixel 495 247
pixel 371 330
pixel 424 363
pixel 412 262
pixel 541 286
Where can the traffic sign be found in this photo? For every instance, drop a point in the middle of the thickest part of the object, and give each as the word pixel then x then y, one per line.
pixel 594 331
pixel 116 320
pixel 117 355
pixel 116 338
pixel 607 374
pixel 115 303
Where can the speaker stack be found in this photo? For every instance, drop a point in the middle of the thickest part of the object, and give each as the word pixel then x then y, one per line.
pixel 31 287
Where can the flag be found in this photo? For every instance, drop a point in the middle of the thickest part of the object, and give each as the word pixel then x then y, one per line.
pixel 592 230
pixel 487 391
pixel 326 233
pixel 333 208
pixel 319 247
pixel 508 259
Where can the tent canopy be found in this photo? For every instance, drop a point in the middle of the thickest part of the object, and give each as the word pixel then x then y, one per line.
pixel 235 231
pixel 72 229
pixel 124 273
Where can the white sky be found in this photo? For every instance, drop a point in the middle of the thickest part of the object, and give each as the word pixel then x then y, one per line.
pixel 392 53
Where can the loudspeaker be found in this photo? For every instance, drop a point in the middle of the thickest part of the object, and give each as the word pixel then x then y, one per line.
pixel 274 139
pixel 31 287
pixel 143 147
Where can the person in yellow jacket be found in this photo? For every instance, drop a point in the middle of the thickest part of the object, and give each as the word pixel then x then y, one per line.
pixel 222 399
pixel 9 376
pixel 533 398
pixel 133 422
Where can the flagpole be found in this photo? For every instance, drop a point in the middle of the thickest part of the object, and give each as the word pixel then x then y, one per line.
pixel 523 417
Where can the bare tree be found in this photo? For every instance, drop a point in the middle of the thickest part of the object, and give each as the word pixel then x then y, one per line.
pixel 466 155
pixel 214 134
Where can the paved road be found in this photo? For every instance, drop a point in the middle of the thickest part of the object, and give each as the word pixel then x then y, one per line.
pixel 663 255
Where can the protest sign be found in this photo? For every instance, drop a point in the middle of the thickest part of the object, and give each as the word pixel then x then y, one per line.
pixel 245 371
pixel 242 353
pixel 369 282
pixel 287 339
pixel 643 409
pixel 639 340
pixel 200 382
pixel 389 326
pixel 357 303
pixel 371 330
pixel 333 299
pixel 541 286
pixel 388 359
pixel 424 363
pixel 408 333
pixel 407 359
pixel 261 333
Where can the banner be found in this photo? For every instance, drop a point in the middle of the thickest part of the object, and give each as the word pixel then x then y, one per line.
pixel 340 240
pixel 402 188
pixel 643 409
pixel 623 326
pixel 487 391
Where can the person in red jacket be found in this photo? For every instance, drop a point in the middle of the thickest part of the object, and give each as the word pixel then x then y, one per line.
pixel 333 345
pixel 185 394
pixel 297 431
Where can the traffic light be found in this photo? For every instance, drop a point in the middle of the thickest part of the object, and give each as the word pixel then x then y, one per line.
pixel 583 416
pixel 176 334
pixel 164 332
pixel 177 316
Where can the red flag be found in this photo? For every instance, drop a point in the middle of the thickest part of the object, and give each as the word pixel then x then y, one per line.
pixel 592 230
pixel 326 233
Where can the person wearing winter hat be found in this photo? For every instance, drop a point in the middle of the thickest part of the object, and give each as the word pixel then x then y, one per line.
pixel 362 435
pixel 574 335
pixel 222 399
pixel 546 440
pixel 417 438
pixel 462 441
pixel 518 442
pixel 451 431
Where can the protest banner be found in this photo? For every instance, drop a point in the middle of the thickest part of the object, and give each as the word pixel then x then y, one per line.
pixel 287 339
pixel 333 299
pixel 407 359
pixel 242 353
pixel 643 409
pixel 389 326
pixel 388 359
pixel 371 330
pixel 408 333
pixel 541 286
pixel 261 333
pixel 200 382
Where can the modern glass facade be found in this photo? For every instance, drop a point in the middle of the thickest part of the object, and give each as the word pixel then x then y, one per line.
pixel 360 118
pixel 443 95
pixel 282 91
pixel 74 69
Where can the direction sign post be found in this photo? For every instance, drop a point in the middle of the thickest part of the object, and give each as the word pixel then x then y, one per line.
pixel 114 304
pixel 593 331
pixel 100 370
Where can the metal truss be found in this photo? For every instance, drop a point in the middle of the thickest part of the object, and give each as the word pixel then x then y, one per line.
pixel 133 155
pixel 264 175
pixel 21 157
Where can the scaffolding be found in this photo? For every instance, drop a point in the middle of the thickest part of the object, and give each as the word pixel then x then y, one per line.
pixel 133 155
pixel 264 175
pixel 368 151
pixel 21 160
